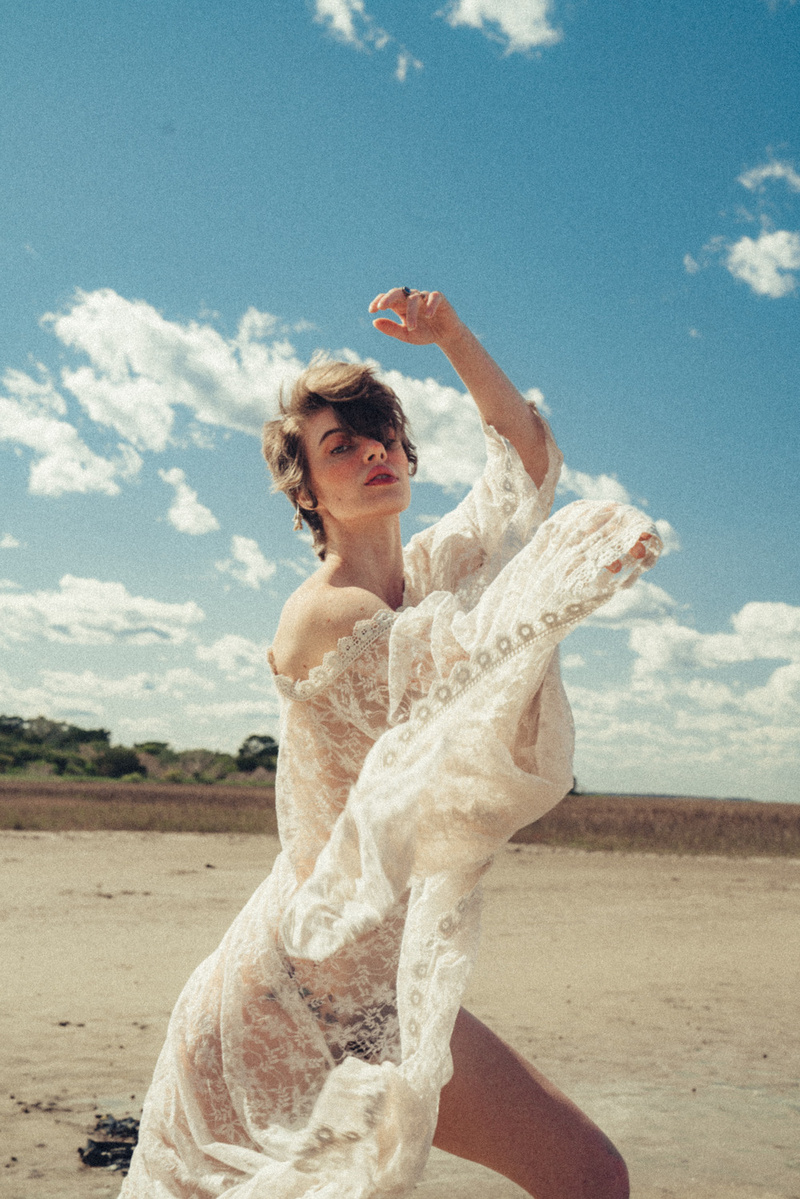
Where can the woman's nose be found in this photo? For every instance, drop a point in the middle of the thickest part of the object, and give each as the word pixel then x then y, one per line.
pixel 373 449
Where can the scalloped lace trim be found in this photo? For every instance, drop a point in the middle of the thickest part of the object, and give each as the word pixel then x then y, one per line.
pixel 336 660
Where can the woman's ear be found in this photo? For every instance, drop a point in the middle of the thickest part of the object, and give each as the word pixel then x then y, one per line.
pixel 305 497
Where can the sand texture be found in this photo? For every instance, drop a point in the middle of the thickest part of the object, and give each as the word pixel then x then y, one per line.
pixel 661 993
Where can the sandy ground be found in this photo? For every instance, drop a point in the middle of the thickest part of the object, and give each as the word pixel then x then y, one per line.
pixel 660 993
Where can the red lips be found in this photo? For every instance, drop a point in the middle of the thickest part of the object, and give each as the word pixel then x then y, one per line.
pixel 386 472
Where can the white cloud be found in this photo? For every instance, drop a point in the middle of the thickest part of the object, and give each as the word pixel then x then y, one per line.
pixel 302 569
pixel 691 265
pixel 766 262
pixel 521 24
pixel 187 514
pixel 29 417
pixel 261 709
pixel 9 542
pixel 642 604
pixel 91 612
pixel 404 61
pixel 670 541
pixel 88 686
pixel 342 17
pixel 237 657
pixel 593 487
pixel 248 564
pixel 755 178
pixel 760 631
pixel 536 396
pixel 349 22
pixel 573 661
pixel 445 426
pixel 143 366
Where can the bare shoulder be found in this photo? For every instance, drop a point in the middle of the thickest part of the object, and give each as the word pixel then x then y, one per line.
pixel 312 621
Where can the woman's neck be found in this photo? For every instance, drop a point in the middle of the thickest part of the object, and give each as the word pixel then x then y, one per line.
pixel 370 558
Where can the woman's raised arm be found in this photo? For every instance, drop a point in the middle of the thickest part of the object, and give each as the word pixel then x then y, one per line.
pixel 427 318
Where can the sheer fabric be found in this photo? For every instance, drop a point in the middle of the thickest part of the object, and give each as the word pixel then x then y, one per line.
pixel 305 1057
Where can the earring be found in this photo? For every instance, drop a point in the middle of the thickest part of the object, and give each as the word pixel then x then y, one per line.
pixel 297 523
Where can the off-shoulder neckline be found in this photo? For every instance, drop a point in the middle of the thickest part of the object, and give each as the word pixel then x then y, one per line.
pixel 348 648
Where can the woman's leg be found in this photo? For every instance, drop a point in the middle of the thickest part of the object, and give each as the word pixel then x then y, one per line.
pixel 498 1110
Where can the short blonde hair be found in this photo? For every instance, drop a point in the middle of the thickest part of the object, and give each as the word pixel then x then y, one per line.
pixel 365 407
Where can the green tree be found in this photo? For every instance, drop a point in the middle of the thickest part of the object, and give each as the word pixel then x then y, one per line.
pixel 116 761
pixel 257 750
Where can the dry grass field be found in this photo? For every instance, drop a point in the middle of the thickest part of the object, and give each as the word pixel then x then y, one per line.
pixel 595 822
pixel 90 805
pixel 654 824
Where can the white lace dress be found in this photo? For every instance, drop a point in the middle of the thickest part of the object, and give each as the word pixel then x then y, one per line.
pixel 306 1055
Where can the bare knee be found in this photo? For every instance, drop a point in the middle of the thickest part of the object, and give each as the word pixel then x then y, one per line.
pixel 500 1111
pixel 606 1175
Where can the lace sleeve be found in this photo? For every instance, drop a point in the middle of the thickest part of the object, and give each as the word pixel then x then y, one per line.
pixel 469 546
pixel 482 738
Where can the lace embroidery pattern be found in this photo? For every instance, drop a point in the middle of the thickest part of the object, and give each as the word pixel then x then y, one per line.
pixel 551 626
pixel 336 660
pixel 305 1057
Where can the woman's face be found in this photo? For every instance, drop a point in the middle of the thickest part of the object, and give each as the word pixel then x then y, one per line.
pixel 354 476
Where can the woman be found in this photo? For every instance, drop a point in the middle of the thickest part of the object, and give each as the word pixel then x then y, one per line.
pixel 322 1048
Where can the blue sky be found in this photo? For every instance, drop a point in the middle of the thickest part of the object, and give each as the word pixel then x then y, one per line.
pixel 197 196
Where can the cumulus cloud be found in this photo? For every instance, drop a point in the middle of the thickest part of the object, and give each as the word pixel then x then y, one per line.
pixel 141 367
pixel 678 720
pixel 670 541
pixel 520 24
pixel 88 686
pixel 760 631
pixel 247 564
pixel 536 396
pixel 187 514
pixel 446 426
pixel 642 604
pixel 766 262
pixel 237 657
pixel 593 487
pixel 29 415
pixel 686 713
pixel 349 22
pixel 260 709
pixel 9 542
pixel 91 612
pixel 755 178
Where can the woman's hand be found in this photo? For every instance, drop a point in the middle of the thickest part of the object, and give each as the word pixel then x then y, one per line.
pixel 426 317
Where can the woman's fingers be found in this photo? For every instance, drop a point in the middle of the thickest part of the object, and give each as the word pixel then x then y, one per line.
pixel 412 310
pixel 637 551
pixel 384 325
pixel 416 310
pixel 394 298
pixel 432 303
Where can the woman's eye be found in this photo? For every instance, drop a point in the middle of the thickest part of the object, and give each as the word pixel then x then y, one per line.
pixel 342 447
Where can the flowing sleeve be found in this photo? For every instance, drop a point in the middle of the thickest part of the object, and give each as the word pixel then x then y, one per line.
pixel 469 546
pixel 482 736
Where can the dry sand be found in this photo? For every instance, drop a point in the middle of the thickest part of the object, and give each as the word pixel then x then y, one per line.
pixel 660 992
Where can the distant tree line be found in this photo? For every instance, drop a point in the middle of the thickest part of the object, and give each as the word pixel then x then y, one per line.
pixel 42 746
